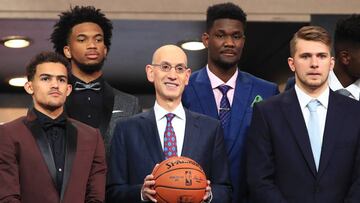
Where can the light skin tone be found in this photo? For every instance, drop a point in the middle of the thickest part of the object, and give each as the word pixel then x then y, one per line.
pixel 311 63
pixel 169 87
pixel 86 45
pixel 49 88
pixel 225 42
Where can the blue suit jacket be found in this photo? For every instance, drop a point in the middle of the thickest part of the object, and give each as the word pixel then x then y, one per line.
pixel 136 149
pixel 199 97
pixel 281 167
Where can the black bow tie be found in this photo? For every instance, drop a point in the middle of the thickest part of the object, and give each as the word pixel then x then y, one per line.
pixel 79 86
pixel 59 122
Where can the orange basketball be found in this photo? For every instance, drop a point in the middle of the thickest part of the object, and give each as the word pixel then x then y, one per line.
pixel 179 179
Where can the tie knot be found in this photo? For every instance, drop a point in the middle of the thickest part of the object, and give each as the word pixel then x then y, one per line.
pixel 344 92
pixel 224 89
pixel 79 86
pixel 169 117
pixel 313 104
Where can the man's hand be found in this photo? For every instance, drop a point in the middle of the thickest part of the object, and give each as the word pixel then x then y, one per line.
pixel 147 191
pixel 208 195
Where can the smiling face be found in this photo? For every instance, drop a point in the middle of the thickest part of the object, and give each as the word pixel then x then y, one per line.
pixel 170 85
pixel 86 47
pixel 49 87
pixel 311 63
pixel 225 42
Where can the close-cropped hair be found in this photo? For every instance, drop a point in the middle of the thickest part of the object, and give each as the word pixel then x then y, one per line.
pixel 310 33
pixel 347 32
pixel 222 11
pixel 45 57
pixel 75 16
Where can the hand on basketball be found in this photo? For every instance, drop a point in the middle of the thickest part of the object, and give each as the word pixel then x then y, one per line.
pixel 207 195
pixel 147 190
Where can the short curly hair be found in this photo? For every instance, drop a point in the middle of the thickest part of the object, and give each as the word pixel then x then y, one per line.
pixel 224 10
pixel 75 16
pixel 347 31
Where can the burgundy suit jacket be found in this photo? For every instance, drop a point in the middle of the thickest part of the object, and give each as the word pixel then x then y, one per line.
pixel 27 168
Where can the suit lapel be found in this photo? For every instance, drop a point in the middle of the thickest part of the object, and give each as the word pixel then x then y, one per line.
pixel 238 109
pixel 108 100
pixel 34 126
pixel 291 110
pixel 151 136
pixel 205 93
pixel 191 132
pixel 331 132
pixel 70 152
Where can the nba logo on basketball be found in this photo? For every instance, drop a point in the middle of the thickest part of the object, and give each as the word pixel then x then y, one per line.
pixel 188 181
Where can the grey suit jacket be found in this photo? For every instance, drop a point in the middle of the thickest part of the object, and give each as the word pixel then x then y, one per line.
pixel 123 105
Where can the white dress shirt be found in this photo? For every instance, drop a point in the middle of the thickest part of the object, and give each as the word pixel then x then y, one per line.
pixel 304 99
pixel 178 123
pixel 335 84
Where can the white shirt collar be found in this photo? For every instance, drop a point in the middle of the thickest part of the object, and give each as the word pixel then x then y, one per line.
pixel 304 99
pixel 160 112
pixel 335 84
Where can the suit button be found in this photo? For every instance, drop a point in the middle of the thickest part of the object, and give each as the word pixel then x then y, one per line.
pixel 317 189
pixel 89 116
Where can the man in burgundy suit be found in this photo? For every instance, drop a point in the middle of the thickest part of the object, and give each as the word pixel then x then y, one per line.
pixel 46 156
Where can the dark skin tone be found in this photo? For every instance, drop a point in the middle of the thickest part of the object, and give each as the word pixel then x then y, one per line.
pixel 347 66
pixel 225 41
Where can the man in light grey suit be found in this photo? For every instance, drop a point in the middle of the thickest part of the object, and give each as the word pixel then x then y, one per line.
pixel 83 35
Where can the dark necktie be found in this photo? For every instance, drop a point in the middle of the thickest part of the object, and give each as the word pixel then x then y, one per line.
pixel 344 92
pixel 79 86
pixel 224 110
pixel 170 147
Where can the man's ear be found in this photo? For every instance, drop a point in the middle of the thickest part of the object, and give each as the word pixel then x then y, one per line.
pixel 344 57
pixel 149 73
pixel 188 73
pixel 28 88
pixel 205 39
pixel 67 52
pixel 291 64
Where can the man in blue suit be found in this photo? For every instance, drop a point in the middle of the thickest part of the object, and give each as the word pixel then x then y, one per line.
pixel 224 38
pixel 144 140
pixel 304 144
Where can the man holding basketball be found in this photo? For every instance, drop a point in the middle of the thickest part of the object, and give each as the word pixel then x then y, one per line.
pixel 167 130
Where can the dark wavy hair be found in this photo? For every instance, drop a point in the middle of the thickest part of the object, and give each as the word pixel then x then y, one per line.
pixel 347 32
pixel 75 16
pixel 224 10
pixel 45 57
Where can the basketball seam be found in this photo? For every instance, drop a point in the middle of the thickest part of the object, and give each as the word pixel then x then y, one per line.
pixel 177 169
pixel 180 188
pixel 162 198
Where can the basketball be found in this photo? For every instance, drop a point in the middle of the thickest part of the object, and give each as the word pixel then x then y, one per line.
pixel 179 179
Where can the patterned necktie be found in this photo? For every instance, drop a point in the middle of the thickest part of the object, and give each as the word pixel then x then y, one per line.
pixel 79 86
pixel 344 92
pixel 224 110
pixel 170 148
pixel 314 131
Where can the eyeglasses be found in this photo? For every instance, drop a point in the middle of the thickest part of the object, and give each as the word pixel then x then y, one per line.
pixel 166 67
